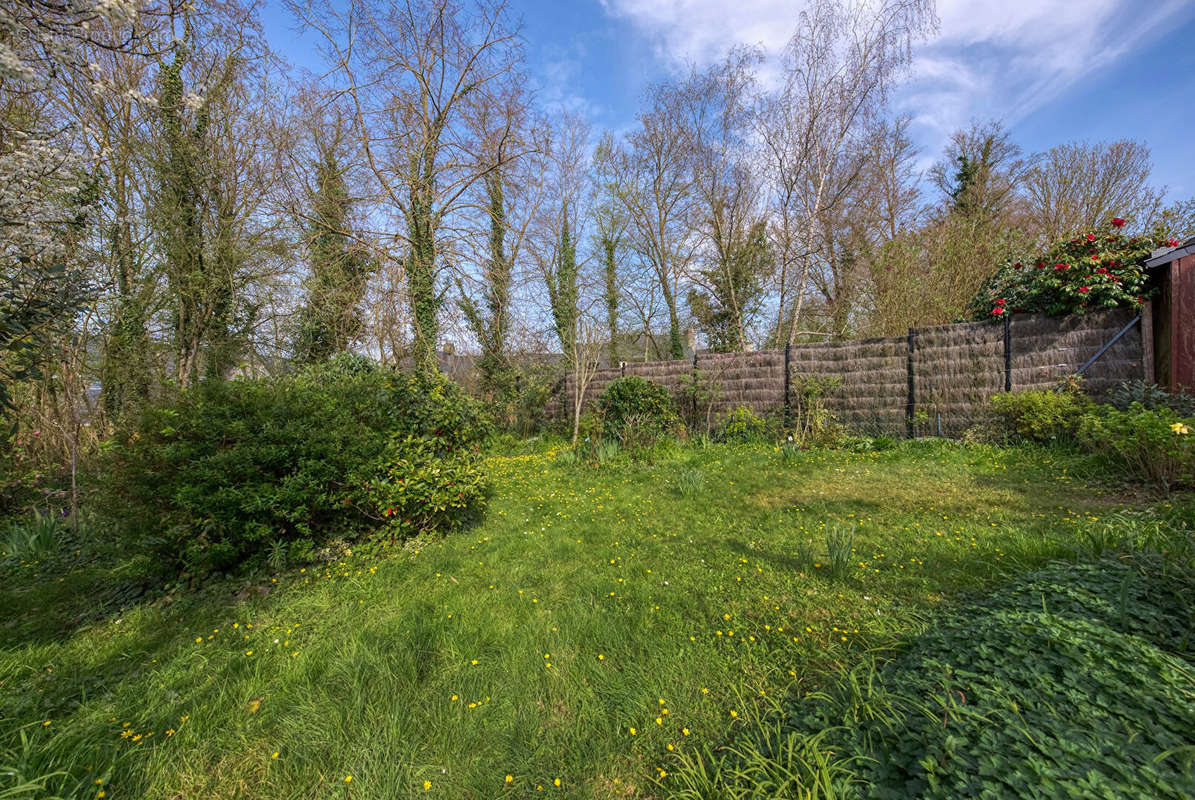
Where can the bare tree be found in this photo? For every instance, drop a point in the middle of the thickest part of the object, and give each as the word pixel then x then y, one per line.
pixel 839 67
pixel 508 199
pixel 409 70
pixel 610 223
pixel 1080 186
pixel 585 360
pixel 652 175
pixel 558 229
pixel 727 213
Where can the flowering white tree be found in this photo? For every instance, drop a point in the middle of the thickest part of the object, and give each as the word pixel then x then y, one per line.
pixel 45 191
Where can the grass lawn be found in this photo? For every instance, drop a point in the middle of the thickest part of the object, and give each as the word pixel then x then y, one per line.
pixel 597 623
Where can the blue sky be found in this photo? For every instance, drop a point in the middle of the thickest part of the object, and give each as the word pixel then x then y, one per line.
pixel 1053 70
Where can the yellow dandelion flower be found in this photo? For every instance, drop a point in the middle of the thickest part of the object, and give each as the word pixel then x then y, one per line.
pixel 427 786
pixel 510 778
pixel 556 782
pixel 348 778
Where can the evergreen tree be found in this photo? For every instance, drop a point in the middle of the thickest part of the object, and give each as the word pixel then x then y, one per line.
pixel 563 294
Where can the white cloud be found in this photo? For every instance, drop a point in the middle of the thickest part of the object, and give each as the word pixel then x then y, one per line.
pixel 701 31
pixel 991 58
pixel 556 79
pixel 1007 59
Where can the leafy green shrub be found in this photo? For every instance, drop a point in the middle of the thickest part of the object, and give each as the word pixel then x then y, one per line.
pixel 1074 275
pixel 519 400
pixel 1041 416
pixel 214 479
pixel 1156 446
pixel 742 425
pixel 1072 682
pixel 636 412
pixel 1152 397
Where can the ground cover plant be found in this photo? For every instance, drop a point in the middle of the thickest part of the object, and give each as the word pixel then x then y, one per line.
pixel 1075 681
pixel 600 626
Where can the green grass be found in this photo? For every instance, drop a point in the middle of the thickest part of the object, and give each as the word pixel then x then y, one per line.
pixel 589 602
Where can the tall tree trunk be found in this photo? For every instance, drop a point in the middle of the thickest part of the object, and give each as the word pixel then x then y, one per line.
pixel 421 281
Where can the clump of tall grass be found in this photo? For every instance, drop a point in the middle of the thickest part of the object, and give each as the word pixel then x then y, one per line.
pixel 689 481
pixel 32 539
pixel 768 759
pixel 840 541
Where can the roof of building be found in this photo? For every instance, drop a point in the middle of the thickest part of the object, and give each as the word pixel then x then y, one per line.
pixel 1164 255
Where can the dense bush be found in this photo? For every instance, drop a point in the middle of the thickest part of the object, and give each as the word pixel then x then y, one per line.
pixel 1086 272
pixel 1041 416
pixel 519 402
pixel 1151 396
pixel 1157 446
pixel 741 425
pixel 234 468
pixel 636 411
pixel 1073 682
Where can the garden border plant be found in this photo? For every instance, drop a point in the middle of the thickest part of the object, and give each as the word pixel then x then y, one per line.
pixel 234 470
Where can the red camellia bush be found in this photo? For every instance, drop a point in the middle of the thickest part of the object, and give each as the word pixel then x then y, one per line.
pixel 1090 271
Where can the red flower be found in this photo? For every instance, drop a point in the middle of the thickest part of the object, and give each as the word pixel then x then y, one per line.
pixel 1172 242
pixel 1091 237
pixel 1084 289
pixel 1102 271
pixel 1017 265
pixel 1140 300
pixel 1041 265
pixel 1061 266
pixel 1117 222
pixel 998 310
pixel 1095 258
pixel 1001 302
